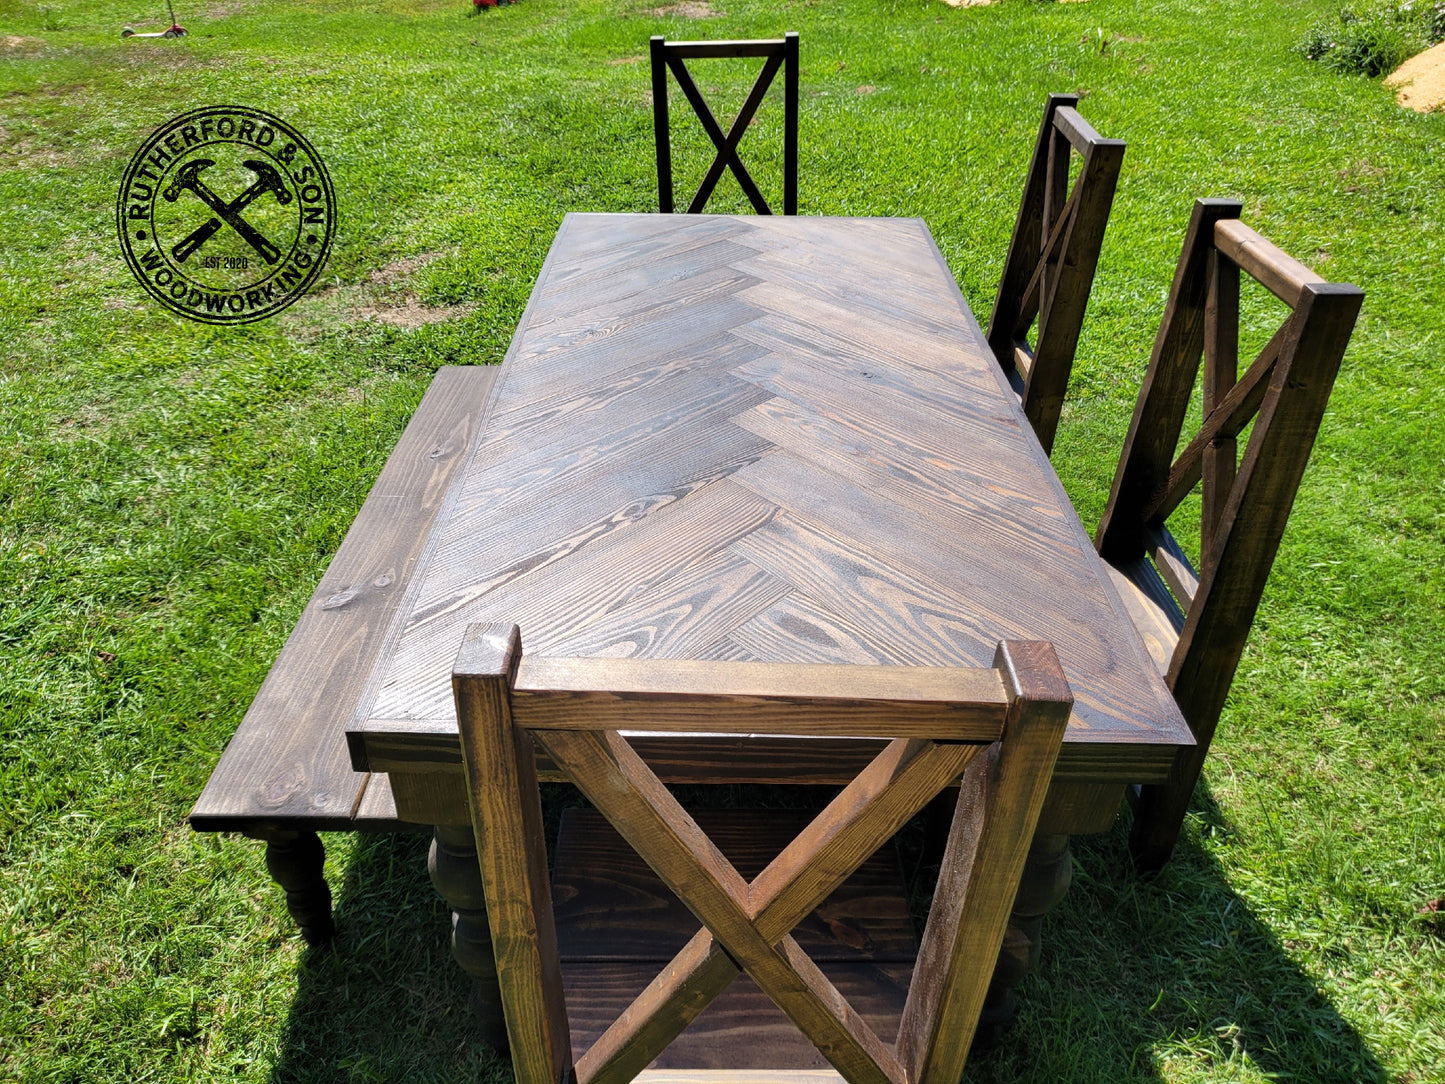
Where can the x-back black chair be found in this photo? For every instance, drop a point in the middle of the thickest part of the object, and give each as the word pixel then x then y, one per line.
pixel 777 53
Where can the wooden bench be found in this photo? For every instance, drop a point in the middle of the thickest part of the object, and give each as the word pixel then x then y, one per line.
pixel 286 773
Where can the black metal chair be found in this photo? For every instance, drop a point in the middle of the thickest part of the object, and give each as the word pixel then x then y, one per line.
pixel 670 56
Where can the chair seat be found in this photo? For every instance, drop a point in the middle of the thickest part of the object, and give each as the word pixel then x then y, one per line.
pixel 1154 612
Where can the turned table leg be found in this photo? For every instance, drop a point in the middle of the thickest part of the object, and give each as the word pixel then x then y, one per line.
pixel 1044 883
pixel 454 871
pixel 296 861
pixel 1070 809
pixel 1042 886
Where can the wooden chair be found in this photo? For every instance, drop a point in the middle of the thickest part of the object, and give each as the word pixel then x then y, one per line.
pixel 999 729
pixel 1051 261
pixel 1196 623
pixel 669 56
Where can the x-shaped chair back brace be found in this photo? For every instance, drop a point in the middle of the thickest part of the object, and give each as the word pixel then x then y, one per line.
pixel 996 732
pixel 779 53
pixel 1052 258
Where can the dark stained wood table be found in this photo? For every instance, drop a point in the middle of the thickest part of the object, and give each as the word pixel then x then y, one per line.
pixel 777 439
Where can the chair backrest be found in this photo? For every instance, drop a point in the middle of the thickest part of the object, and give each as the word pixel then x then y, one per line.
pixel 670 56
pixel 999 730
pixel 1051 260
pixel 1246 501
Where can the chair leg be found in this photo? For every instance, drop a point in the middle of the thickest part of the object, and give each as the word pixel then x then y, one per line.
pixel 1160 808
pixel 499 763
pixel 457 877
pixel 296 860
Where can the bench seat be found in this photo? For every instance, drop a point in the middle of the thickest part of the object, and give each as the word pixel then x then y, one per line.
pixel 286 774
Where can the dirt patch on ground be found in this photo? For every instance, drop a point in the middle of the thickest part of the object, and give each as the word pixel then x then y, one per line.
pixel 405 310
pixel 688 9
pixel 386 274
pixel 411 313
pixel 12 42
pixel 1420 82
pixel 22 152
pixel 1359 174
pixel 160 53
pixel 380 298
pixel 226 8
pixel 968 3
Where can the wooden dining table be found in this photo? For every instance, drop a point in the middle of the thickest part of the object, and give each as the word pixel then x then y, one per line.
pixel 778 439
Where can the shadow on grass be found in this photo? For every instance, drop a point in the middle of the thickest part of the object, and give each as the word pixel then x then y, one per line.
pixel 1140 980
pixel 1170 977
pixel 385 1001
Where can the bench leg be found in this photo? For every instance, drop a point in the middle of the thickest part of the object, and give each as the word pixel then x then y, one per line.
pixel 457 876
pixel 296 861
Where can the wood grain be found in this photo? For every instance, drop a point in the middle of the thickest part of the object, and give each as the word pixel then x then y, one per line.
pixel 599 878
pixel 1052 258
pixel 618 924
pixel 695 697
pixel 777 439
pixel 287 763
pixel 1246 502
pixel 512 853
pixel 1158 419
pixel 998 806
pixel 617 782
pixel 741 1035
pixel 1273 268
pixel 749 923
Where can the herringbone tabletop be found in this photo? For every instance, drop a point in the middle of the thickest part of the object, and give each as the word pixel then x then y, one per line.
pixel 774 439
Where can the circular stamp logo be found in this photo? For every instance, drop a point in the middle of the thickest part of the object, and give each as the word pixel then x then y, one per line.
pixel 226 214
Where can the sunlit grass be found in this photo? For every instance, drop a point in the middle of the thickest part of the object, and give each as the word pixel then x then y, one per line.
pixel 170 493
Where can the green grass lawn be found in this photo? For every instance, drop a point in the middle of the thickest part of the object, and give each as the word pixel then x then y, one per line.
pixel 170 493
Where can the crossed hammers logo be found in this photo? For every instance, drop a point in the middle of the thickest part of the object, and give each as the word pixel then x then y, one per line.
pixel 268 179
